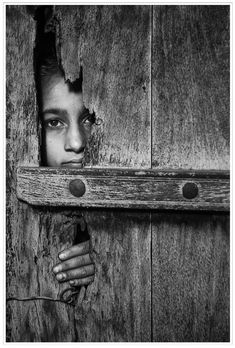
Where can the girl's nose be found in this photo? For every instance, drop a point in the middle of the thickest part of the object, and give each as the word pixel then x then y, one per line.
pixel 75 139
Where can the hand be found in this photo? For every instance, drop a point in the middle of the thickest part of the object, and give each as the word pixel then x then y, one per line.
pixel 76 265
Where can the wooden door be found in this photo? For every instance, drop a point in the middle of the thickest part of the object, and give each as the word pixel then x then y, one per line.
pixel 190 252
pixel 157 78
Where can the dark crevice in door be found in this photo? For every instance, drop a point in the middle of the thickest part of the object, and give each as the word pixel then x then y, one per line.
pixel 47 59
pixel 44 46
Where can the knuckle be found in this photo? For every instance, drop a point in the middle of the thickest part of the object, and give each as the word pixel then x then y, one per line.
pixel 88 270
pixel 83 281
pixel 69 274
pixel 83 259
pixel 84 272
pixel 64 265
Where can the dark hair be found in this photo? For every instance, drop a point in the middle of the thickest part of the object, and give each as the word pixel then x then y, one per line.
pixel 47 65
pixel 50 68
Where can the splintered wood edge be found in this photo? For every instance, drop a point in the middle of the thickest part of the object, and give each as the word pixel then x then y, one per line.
pixel 124 188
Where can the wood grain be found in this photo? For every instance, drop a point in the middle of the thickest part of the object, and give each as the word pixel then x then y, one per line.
pixel 33 237
pixel 116 307
pixel 123 188
pixel 190 278
pixel 190 258
pixel 190 87
pixel 168 282
pixel 112 45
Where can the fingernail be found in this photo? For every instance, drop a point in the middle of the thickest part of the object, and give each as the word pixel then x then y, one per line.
pixel 62 256
pixel 61 276
pixel 56 269
pixel 72 282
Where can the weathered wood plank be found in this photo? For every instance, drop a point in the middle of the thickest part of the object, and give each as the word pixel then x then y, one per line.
pixel 190 130
pixel 33 238
pixel 190 278
pixel 190 79
pixel 128 173
pixel 123 188
pixel 112 44
pixel 116 307
pixel 40 321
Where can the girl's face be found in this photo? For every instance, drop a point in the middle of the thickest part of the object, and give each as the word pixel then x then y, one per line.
pixel 67 124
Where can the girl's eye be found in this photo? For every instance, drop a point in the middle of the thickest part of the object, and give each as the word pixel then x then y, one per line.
pixel 54 124
pixel 89 119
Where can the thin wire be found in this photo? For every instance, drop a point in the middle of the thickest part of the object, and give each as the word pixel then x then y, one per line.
pixel 69 299
pixel 33 298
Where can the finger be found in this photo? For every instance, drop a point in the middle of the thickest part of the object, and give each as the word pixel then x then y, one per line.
pixel 75 262
pixel 82 281
pixel 75 250
pixel 76 273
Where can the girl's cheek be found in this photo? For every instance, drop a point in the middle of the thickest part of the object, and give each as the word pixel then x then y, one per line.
pixel 53 145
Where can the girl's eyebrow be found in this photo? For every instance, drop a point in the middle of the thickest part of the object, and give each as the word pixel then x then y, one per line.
pixel 56 111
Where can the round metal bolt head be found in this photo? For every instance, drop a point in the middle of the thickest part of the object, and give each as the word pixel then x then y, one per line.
pixel 190 190
pixel 77 187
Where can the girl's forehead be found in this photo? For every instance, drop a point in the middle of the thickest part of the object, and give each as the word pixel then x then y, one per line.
pixel 57 92
pixel 53 84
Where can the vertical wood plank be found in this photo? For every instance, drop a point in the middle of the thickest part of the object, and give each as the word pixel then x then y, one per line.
pixel 112 44
pixel 33 237
pixel 116 307
pixel 190 256
pixel 190 278
pixel 191 87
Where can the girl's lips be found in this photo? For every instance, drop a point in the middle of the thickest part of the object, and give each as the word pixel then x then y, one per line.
pixel 73 163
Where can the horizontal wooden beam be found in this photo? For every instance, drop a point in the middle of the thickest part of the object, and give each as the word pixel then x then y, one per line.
pixel 124 188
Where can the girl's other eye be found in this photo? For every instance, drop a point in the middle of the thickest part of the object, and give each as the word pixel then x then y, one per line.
pixel 54 124
pixel 89 119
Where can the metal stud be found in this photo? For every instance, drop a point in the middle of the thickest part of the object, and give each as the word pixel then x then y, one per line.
pixel 190 190
pixel 77 187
